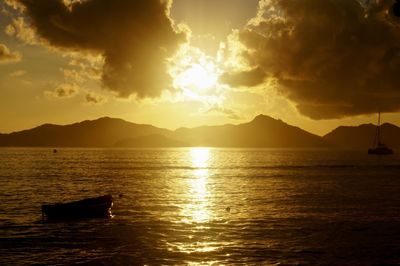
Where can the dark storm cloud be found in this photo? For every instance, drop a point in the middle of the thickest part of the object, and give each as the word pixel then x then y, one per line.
pixel 332 58
pixel 135 37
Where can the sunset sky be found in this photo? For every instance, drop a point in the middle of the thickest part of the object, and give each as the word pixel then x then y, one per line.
pixel 312 63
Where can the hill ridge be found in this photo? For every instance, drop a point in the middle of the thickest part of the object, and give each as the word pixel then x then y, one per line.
pixel 262 131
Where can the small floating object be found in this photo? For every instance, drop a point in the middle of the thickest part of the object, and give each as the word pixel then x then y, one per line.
pixel 98 207
pixel 55 151
pixel 228 209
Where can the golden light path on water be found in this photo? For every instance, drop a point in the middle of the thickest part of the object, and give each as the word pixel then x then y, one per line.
pixel 197 211
pixel 198 185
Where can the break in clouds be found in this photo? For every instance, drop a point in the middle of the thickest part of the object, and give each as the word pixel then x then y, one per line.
pixel 135 38
pixel 332 58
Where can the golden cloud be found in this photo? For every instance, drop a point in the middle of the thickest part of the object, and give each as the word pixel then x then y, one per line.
pixel 94 98
pixel 136 38
pixel 6 56
pixel 63 90
pixel 332 58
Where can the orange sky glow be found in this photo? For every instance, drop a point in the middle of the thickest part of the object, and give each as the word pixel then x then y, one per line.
pixel 185 63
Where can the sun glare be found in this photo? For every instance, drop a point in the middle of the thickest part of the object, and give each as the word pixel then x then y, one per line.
pixel 200 157
pixel 198 77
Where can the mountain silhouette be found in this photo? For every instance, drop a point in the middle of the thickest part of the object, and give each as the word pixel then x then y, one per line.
pixel 263 132
pixel 362 136
pixel 103 132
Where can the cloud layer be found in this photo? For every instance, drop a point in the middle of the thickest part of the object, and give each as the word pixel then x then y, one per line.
pixel 332 58
pixel 6 56
pixel 63 90
pixel 135 37
pixel 95 99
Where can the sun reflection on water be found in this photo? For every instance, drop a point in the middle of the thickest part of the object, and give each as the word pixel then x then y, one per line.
pixel 197 209
pixel 200 157
pixel 197 212
pixel 200 195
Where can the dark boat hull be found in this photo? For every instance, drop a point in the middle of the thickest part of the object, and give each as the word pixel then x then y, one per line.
pixel 99 207
pixel 380 151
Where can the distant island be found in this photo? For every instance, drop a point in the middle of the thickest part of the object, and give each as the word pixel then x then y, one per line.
pixel 262 132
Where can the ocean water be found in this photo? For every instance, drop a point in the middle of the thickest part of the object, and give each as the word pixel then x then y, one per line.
pixel 200 206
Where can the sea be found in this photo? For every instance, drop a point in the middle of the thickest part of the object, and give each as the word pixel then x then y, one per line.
pixel 202 206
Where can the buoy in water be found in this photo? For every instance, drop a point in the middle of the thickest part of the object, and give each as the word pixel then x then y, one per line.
pixel 228 209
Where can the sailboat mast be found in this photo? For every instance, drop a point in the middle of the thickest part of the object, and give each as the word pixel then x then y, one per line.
pixel 379 128
pixel 379 119
pixel 379 148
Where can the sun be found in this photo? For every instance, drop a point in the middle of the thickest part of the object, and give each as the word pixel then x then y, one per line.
pixel 198 77
pixel 195 74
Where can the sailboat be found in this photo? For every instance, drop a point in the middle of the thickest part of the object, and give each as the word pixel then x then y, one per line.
pixel 379 148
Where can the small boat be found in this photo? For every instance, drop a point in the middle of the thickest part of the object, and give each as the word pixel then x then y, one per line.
pixel 378 147
pixel 98 207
